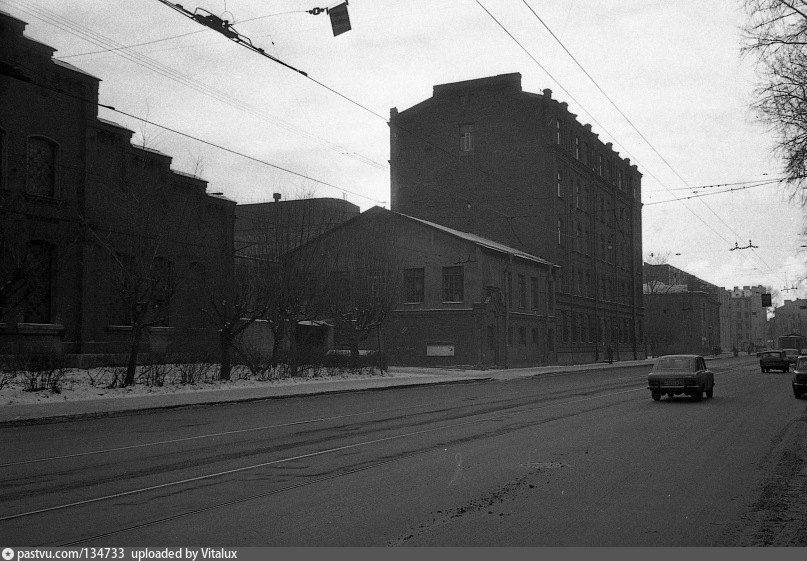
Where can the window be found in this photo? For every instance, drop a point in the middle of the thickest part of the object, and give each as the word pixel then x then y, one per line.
pixel 40 167
pixel 508 289
pixel 560 231
pixel 565 323
pixel 550 296
pixel 577 201
pixel 583 328
pixel 535 296
pixel 576 147
pixel 3 162
pixel 377 285
pixel 550 339
pixel 560 183
pixel 574 326
pixel 522 291
pixel 578 242
pixel 510 336
pixel 38 282
pixel 466 138
pixel 453 280
pixel 339 287
pixel 600 165
pixel 413 286
pixel 558 132
pixel 161 277
pixel 522 335
pixel 536 337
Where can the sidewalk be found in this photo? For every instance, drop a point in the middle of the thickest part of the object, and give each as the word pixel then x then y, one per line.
pixel 397 377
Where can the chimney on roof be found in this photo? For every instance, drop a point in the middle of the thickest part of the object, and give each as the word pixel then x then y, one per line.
pixel 276 196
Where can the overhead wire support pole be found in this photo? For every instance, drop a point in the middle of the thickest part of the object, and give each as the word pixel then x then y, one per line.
pixel 202 16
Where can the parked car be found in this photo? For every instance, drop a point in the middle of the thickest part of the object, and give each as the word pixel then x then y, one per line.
pixel 800 377
pixel 792 355
pixel 681 374
pixel 774 360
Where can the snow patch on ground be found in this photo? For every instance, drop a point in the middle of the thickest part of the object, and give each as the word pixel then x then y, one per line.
pixel 82 385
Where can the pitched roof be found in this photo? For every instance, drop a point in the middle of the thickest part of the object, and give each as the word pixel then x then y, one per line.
pixel 472 238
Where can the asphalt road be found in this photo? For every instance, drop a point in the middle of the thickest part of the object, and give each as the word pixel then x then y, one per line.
pixel 585 459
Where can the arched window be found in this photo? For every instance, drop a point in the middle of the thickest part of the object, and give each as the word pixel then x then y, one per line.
pixel 40 167
pixel 38 283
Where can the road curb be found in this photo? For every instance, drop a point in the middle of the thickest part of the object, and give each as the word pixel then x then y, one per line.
pixel 48 419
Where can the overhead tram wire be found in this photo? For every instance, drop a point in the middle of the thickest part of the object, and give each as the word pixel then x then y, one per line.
pixel 635 128
pixel 523 48
pixel 700 195
pixel 206 142
pixel 639 132
pixel 142 60
pixel 89 35
pixel 164 39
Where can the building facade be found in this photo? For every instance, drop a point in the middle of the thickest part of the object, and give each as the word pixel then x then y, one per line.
pixel 80 208
pixel 789 318
pixel 728 328
pixel 445 297
pixel 267 230
pixel 682 311
pixel 485 157
pixel 749 317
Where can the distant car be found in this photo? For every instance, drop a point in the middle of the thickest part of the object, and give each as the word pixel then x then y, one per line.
pixel 681 374
pixel 800 377
pixel 792 355
pixel 774 360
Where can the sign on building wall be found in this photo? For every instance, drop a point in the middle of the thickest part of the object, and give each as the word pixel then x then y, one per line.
pixel 439 349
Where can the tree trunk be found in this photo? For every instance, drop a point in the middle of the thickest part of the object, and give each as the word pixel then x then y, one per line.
pixel 277 345
pixel 137 331
pixel 292 330
pixel 226 344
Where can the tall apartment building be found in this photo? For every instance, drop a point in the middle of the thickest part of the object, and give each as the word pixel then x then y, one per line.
pixel 485 157
pixel 728 328
pixel 749 317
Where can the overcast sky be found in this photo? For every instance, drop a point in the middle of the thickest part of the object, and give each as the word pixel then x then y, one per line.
pixel 674 69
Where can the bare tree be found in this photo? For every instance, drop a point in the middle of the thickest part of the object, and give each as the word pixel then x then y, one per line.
pixel 142 248
pixel 361 308
pixel 777 34
pixel 243 303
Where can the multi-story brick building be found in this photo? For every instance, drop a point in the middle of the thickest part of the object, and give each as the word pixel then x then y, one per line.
pixel 80 205
pixel 486 157
pixel 789 318
pixel 728 328
pixel 749 317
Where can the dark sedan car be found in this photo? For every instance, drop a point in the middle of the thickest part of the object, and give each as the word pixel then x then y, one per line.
pixel 774 360
pixel 792 354
pixel 681 374
pixel 800 377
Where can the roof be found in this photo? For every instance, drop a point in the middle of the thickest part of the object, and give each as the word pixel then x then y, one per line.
pixel 472 238
pixel 680 356
pixel 69 66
